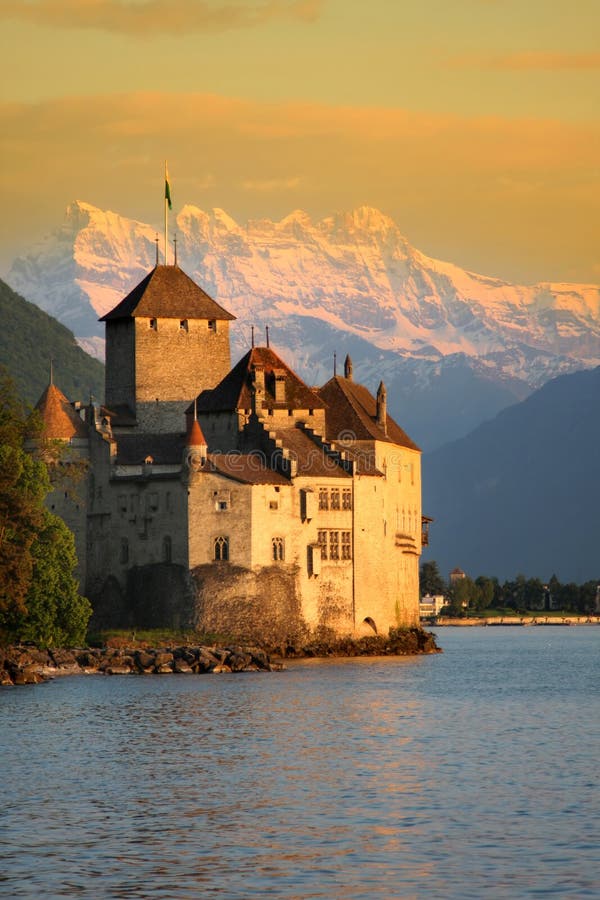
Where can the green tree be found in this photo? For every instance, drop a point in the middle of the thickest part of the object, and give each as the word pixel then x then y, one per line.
pixel 23 485
pixel 488 588
pixel 430 580
pixel 38 593
pixel 462 594
pixel 56 614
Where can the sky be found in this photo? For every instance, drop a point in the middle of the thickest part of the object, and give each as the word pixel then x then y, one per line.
pixel 473 123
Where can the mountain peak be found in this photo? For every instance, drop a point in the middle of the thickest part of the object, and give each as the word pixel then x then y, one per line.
pixel 352 271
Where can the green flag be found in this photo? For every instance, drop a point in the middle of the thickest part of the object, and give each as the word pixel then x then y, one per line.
pixel 168 189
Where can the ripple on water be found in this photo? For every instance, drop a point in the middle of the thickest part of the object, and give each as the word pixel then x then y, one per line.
pixel 465 774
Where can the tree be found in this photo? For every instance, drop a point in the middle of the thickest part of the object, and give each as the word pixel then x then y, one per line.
pixel 488 588
pixel 462 593
pixel 38 593
pixel 430 580
pixel 23 485
pixel 56 614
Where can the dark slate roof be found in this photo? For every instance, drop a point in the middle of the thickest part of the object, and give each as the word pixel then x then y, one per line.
pixel 249 468
pixel 119 415
pixel 234 391
pixel 165 449
pixel 61 422
pixel 352 411
pixel 168 293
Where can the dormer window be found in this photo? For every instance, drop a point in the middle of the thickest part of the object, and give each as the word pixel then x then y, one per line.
pixel 212 325
pixel 152 324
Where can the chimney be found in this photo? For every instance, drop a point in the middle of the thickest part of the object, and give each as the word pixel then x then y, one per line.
pixel 279 375
pixel 258 376
pixel 382 407
pixel 348 368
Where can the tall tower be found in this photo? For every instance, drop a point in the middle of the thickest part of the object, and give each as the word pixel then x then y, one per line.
pixel 165 343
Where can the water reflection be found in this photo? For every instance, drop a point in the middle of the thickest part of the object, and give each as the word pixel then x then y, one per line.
pixel 346 779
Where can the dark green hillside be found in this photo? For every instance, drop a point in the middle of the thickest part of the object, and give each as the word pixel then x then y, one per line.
pixel 521 493
pixel 29 338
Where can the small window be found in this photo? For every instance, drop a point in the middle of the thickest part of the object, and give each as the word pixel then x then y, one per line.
pixel 334 545
pixel 183 324
pixel 322 542
pixel 273 504
pixel 222 505
pixel 152 324
pixel 346 545
pixel 278 546
pixel 346 499
pixel 323 498
pixel 167 549
pixel 212 325
pixel 335 498
pixel 221 547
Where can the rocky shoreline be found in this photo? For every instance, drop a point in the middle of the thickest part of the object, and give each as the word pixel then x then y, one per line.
pixel 30 665
pixel 25 664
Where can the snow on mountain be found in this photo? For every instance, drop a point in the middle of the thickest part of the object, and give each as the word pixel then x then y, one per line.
pixel 350 279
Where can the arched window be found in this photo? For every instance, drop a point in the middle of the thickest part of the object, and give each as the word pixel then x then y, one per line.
pixel 167 549
pixel 278 545
pixel 221 548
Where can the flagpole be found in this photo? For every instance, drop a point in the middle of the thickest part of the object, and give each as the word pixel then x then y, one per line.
pixel 166 209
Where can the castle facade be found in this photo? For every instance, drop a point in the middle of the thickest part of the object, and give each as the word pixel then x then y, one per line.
pixel 238 500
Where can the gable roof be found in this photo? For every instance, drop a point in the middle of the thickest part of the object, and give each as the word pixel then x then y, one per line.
pixel 60 420
pixel 235 390
pixel 168 293
pixel 352 410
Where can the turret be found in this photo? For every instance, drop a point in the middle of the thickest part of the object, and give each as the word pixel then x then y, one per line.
pixel 196 448
pixel 348 368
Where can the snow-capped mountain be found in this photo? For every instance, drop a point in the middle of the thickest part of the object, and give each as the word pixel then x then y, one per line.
pixel 349 282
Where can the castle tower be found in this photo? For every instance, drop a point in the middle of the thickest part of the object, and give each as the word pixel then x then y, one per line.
pixel 165 343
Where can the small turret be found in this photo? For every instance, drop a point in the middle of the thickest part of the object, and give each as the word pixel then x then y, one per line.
pixel 381 416
pixel 348 368
pixel 196 448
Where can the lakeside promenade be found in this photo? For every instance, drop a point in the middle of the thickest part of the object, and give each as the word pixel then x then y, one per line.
pixel 516 620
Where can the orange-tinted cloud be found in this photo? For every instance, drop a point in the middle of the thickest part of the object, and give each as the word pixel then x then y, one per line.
pixel 533 60
pixel 150 17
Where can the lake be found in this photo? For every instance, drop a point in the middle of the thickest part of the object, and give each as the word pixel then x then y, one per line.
pixel 465 774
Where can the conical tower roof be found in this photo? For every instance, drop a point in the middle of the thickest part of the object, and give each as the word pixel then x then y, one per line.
pixel 168 293
pixel 60 420
pixel 195 438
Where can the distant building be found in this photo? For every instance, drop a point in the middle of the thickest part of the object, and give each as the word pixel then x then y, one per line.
pixel 237 500
pixel 430 605
pixel 456 575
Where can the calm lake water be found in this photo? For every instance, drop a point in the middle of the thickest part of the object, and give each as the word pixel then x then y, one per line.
pixel 469 774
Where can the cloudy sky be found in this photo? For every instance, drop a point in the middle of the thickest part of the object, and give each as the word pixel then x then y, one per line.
pixel 473 123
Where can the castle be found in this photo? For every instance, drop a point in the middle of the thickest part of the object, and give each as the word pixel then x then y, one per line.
pixel 236 500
